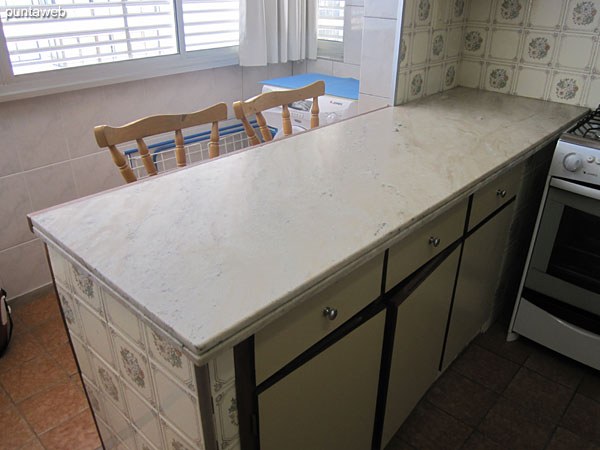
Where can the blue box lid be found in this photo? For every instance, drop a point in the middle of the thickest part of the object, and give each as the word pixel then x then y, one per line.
pixel 336 86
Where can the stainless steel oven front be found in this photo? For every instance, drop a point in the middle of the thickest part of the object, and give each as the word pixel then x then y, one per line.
pixel 559 298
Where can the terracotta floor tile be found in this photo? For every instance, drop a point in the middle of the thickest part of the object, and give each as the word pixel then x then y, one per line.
pixel 429 428
pixel 23 347
pixel 485 368
pixel 515 427
pixel 65 359
pixel 565 440
pixel 461 398
pixel 33 445
pixel 51 334
pixel 539 395
pixel 583 418
pixel 397 444
pixel 557 367
pixel 14 430
pixel 494 340
pixel 78 433
pixel 76 378
pixel 36 312
pixel 54 406
pixel 590 385
pixel 31 377
pixel 4 399
pixel 478 441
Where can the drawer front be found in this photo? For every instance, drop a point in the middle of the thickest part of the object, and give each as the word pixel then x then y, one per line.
pixel 287 337
pixel 495 194
pixel 420 246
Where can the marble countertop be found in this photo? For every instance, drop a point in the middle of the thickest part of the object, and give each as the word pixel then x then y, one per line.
pixel 211 253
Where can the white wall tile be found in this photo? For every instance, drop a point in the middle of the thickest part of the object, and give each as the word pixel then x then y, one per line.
pixel 469 73
pixel 368 102
pixel 377 63
pixel 16 205
pixel 96 333
pixel 346 70
pixel 594 91
pixel 434 80
pixel 323 66
pixel 454 41
pixel 8 150
pixel 575 52
pixel 384 9
pixel 401 95
pixel 24 268
pixel 480 11
pixel 408 13
pixel 353 32
pixel 419 49
pixel 144 417
pixel 121 317
pixel 505 44
pixel 531 82
pixel 120 425
pixel 95 173
pixel 39 133
pixel 83 358
pixel 546 14
pixel 51 185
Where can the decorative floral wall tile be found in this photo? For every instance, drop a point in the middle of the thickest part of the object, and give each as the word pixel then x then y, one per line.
pixel 408 14
pixel 504 44
pixel 582 15
pixel 222 385
pixel 83 358
pixel 538 48
pixel 510 11
pixel 405 44
pixel 438 43
pixel 423 12
pixel 95 398
pixel 567 87
pixel 71 312
pixel 474 41
pixel 450 75
pixel 169 355
pixel 401 86
pixel 416 84
pixel 499 78
pixel 85 287
pixel 134 367
pixel 109 384
pixel 458 10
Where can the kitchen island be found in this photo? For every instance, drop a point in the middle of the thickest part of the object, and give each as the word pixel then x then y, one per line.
pixel 160 279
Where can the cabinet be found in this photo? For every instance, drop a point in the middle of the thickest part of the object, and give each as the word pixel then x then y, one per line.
pixel 418 343
pixel 329 402
pixel 477 281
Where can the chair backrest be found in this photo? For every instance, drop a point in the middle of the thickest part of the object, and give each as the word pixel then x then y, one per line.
pixel 272 99
pixel 149 126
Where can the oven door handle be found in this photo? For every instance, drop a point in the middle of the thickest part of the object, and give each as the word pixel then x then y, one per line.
pixel 575 188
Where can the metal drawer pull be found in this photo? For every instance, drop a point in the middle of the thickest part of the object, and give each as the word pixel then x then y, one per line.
pixel 434 241
pixel 330 313
pixel 501 193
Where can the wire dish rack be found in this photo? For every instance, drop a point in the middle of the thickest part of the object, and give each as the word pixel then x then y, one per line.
pixel 231 138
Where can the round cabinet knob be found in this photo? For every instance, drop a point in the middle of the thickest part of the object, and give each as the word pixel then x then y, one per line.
pixel 501 193
pixel 434 241
pixel 330 313
pixel 572 162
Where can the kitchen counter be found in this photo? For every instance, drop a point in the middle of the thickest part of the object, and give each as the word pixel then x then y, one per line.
pixel 213 252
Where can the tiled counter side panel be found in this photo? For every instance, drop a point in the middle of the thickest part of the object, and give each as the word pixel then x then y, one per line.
pixel 142 387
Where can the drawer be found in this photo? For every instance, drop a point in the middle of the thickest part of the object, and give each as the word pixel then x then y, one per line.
pixel 418 247
pixel 487 199
pixel 287 337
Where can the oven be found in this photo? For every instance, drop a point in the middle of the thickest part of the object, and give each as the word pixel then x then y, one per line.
pixel 559 297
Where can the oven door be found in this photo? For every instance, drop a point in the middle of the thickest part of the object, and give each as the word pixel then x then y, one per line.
pixel 565 263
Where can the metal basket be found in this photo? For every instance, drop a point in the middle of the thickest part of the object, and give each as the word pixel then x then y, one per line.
pixel 231 138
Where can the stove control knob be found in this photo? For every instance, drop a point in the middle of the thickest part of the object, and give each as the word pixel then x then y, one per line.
pixel 572 162
pixel 590 159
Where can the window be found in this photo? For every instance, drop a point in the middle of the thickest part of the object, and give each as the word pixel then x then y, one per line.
pixel 48 35
pixel 330 29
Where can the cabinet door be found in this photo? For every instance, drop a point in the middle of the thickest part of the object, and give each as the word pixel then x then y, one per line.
pixel 329 402
pixel 477 281
pixel 418 343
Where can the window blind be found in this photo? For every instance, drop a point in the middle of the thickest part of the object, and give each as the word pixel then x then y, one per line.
pixel 330 20
pixel 211 23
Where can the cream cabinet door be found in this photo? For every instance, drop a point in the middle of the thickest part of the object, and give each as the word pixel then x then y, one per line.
pixel 418 343
pixel 329 402
pixel 477 281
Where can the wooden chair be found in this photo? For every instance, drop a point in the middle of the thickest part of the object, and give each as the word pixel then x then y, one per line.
pixel 272 99
pixel 149 126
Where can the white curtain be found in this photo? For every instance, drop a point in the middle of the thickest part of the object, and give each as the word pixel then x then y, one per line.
pixel 277 31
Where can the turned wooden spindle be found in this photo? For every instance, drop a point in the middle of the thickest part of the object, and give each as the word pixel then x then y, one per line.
pixel 267 100
pixel 213 145
pixel 146 158
pixel 285 118
pixel 154 125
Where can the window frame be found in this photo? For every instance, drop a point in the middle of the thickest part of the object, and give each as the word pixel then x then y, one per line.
pixel 330 49
pixel 14 87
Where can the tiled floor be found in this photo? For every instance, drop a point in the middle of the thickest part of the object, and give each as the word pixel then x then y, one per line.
pixel 496 395
pixel 500 395
pixel 42 403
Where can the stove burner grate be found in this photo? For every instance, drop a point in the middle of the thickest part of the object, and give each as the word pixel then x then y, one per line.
pixel 588 127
